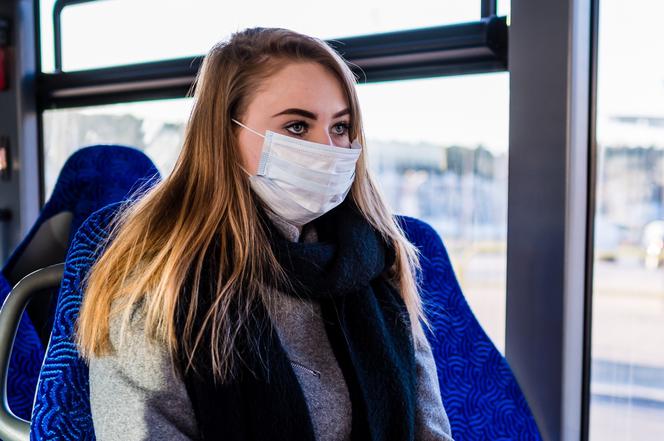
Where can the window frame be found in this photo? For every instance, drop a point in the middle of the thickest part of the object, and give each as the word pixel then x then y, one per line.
pixel 467 48
pixel 488 10
pixel 551 200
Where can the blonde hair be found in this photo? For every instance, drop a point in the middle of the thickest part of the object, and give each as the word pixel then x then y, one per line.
pixel 159 239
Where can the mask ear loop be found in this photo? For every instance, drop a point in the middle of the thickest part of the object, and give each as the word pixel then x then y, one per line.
pixel 251 130
pixel 245 170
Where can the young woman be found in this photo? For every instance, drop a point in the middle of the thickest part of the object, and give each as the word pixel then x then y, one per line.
pixel 262 290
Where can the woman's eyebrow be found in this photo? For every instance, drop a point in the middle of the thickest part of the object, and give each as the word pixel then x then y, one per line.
pixel 307 114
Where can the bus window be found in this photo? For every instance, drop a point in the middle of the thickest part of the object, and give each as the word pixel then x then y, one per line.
pixel 627 371
pixel 85 25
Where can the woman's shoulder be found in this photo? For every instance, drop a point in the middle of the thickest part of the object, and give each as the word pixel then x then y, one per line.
pixel 137 385
pixel 146 362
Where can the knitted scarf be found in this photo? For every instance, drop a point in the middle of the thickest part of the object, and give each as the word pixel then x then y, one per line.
pixel 367 324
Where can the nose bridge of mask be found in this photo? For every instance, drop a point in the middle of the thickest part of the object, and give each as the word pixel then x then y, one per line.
pixel 308 146
pixel 313 160
pixel 319 172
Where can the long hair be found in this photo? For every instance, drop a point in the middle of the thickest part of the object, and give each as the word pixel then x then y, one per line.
pixel 160 239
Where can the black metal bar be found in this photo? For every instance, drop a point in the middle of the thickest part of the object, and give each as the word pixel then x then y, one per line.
pixel 162 79
pixel 58 6
pixel 445 50
pixel 489 8
pixel 474 46
pixel 40 126
pixel 57 36
pixel 590 225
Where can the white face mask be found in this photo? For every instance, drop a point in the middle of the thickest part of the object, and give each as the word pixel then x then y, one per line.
pixel 301 180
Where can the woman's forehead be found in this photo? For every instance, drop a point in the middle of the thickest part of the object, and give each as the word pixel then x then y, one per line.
pixel 307 86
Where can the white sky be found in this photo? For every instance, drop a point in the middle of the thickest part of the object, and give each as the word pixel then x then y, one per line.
pixel 465 110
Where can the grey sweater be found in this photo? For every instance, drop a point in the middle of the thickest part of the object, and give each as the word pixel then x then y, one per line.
pixel 135 395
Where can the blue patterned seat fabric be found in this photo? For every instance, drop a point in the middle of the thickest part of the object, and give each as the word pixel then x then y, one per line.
pixel 62 404
pixel 481 396
pixel 90 179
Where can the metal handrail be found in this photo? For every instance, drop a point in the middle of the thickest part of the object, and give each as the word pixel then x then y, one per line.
pixel 13 428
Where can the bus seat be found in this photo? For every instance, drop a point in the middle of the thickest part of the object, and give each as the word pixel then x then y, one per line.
pixel 480 393
pixel 91 178
pixel 62 403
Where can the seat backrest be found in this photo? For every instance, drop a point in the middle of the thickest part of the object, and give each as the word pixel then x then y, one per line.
pixel 480 393
pixel 90 179
pixel 62 403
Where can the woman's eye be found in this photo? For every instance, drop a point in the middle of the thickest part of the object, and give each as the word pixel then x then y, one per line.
pixel 299 128
pixel 341 128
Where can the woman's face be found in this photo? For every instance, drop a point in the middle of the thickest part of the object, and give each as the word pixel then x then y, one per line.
pixel 303 100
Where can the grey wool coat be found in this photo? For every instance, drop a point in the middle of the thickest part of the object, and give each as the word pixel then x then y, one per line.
pixel 135 394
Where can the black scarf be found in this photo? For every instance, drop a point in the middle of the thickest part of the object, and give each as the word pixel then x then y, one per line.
pixel 367 324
